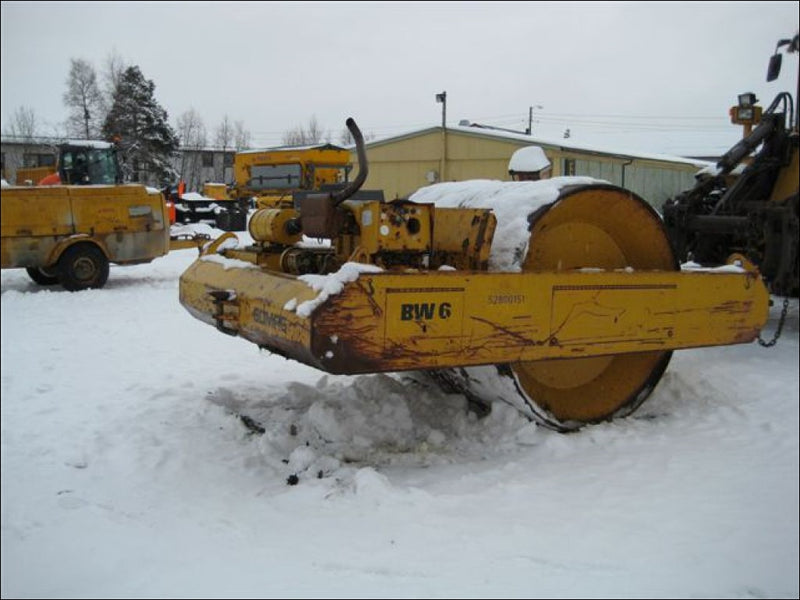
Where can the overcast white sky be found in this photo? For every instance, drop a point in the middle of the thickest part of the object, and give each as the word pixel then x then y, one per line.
pixel 649 76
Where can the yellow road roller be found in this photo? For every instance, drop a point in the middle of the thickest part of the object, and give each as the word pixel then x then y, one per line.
pixel 560 296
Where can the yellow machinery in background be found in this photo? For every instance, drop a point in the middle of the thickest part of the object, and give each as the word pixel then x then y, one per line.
pixel 749 204
pixel 70 234
pixel 216 191
pixel 33 175
pixel 579 329
pixel 273 175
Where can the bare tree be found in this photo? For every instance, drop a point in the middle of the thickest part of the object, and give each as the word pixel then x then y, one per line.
pixel 223 135
pixel 346 138
pixel 193 138
pixel 84 99
pixel 300 136
pixel 22 127
pixel 114 68
pixel 241 137
pixel 294 137
pixel 223 138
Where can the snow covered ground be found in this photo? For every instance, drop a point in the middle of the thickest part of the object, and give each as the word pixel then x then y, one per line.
pixel 145 454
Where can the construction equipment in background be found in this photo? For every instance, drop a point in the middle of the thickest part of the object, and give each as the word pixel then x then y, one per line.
pixel 271 177
pixel 266 178
pixel 82 218
pixel 566 301
pixel 216 191
pixel 748 204
pixel 33 175
pixel 73 164
pixel 214 206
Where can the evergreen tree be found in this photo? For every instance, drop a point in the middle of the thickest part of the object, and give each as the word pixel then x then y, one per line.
pixel 140 125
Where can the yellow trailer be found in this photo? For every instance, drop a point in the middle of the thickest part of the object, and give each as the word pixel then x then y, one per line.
pixel 69 234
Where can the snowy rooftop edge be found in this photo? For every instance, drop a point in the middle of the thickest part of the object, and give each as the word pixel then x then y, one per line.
pixel 540 141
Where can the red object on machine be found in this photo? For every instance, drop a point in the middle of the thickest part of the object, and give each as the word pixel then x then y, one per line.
pixel 172 212
pixel 173 217
pixel 52 179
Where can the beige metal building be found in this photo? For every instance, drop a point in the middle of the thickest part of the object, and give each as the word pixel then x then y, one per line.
pixel 401 165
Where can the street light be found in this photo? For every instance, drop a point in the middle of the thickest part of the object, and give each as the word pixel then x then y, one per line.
pixel 442 99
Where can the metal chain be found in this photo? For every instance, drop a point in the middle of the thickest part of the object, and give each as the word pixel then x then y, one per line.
pixel 781 321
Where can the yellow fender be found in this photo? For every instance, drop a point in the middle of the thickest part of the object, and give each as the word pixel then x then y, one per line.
pixel 214 246
pixel 67 242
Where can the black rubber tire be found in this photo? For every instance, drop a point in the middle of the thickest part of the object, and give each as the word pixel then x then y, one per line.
pixel 42 276
pixel 81 267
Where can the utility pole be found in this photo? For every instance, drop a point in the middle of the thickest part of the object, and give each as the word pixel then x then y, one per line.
pixel 442 99
pixel 529 130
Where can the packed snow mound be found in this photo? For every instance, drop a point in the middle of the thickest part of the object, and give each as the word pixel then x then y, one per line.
pixel 193 228
pixel 528 160
pixel 195 197
pixel 511 201
pixel 335 427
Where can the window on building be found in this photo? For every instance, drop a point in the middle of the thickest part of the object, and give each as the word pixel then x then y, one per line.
pixel 208 159
pixel 228 159
pixel 38 160
pixel 569 166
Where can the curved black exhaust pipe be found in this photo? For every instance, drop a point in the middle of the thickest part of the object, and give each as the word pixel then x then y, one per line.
pixel 319 214
pixel 363 170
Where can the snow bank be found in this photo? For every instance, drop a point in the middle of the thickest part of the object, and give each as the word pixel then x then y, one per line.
pixel 511 201
pixel 528 160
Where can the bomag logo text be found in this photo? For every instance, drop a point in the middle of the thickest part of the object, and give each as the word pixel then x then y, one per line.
pixel 425 311
pixel 270 319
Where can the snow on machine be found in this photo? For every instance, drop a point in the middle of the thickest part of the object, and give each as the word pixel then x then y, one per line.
pixel 561 296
